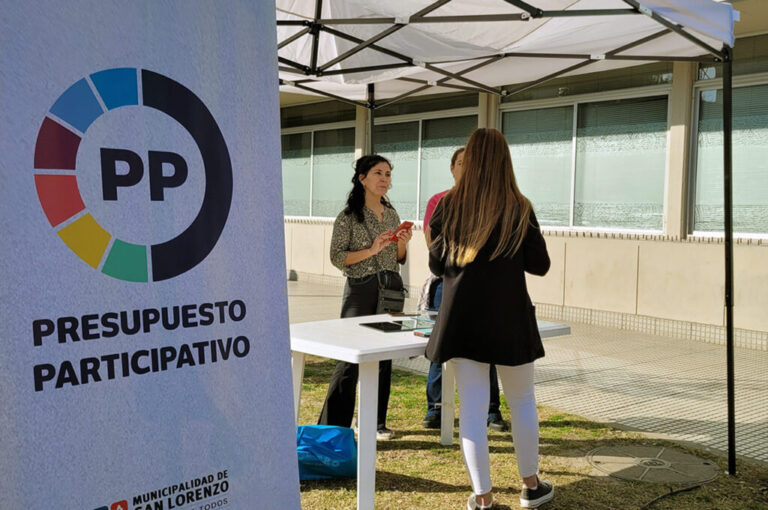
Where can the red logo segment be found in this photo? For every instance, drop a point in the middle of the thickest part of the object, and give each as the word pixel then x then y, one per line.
pixel 59 196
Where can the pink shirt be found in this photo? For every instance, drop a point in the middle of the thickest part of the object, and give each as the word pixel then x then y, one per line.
pixel 431 208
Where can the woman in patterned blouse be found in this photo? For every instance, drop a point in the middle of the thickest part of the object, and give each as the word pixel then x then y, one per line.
pixel 361 248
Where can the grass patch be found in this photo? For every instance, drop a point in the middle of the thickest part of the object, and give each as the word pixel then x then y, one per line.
pixel 416 471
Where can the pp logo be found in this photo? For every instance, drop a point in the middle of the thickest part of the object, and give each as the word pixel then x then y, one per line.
pixel 134 175
pixel 117 505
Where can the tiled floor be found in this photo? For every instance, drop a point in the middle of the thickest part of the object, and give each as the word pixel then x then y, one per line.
pixel 650 383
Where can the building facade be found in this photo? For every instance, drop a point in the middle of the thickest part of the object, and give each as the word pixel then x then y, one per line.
pixel 624 169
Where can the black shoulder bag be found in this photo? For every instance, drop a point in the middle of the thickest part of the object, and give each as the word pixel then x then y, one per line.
pixel 392 292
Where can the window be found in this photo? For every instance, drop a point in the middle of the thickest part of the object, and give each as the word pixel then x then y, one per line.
pixel 750 161
pixel 325 158
pixel 618 162
pixel 399 143
pixel 333 159
pixel 621 149
pixel 297 150
pixel 541 146
pixel 439 140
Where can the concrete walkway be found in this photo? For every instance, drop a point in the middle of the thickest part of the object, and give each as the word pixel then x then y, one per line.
pixel 669 387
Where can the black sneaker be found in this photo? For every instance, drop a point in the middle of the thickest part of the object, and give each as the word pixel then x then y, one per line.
pixel 431 421
pixel 498 424
pixel 534 498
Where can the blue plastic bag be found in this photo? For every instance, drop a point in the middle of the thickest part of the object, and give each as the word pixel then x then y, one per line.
pixel 326 452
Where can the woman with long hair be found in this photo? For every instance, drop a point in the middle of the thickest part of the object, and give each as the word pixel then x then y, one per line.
pixel 485 237
pixel 435 291
pixel 362 248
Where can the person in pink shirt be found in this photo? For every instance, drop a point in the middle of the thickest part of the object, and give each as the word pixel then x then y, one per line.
pixel 435 377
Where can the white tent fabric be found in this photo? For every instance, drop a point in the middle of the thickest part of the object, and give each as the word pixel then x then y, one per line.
pixel 456 46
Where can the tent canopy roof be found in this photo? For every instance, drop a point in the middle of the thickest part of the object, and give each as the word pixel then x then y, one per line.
pixel 495 46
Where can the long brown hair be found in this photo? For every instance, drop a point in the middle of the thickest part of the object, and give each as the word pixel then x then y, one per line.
pixel 485 196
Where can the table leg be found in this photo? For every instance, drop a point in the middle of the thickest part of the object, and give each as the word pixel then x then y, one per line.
pixel 297 368
pixel 368 398
pixel 447 411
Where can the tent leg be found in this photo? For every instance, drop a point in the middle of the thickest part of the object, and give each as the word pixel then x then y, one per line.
pixel 371 108
pixel 728 220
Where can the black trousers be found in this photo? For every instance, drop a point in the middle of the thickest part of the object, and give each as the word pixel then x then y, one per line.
pixel 360 297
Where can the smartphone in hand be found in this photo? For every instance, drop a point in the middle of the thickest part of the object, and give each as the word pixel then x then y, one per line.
pixel 406 225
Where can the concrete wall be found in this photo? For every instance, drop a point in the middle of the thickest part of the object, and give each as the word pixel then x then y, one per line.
pixel 664 279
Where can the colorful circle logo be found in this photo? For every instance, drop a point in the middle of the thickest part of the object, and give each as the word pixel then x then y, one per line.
pixel 55 163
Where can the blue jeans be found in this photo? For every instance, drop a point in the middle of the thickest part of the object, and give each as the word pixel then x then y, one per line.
pixel 435 378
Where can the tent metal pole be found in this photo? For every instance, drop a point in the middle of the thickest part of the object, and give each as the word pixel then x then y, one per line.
pixel 535 12
pixel 353 70
pixel 426 19
pixel 549 77
pixel 292 38
pixel 315 31
pixel 284 69
pixel 476 66
pixel 404 95
pixel 371 115
pixel 611 56
pixel 459 76
pixel 299 67
pixel 445 85
pixel 381 35
pixel 456 76
pixel 728 220
pixel 587 12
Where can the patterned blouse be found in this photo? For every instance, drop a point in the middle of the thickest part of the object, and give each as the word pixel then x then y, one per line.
pixel 351 235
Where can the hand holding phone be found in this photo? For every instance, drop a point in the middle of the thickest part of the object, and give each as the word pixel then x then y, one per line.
pixel 406 225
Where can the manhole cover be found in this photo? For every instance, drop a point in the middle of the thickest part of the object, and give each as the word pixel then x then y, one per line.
pixel 657 464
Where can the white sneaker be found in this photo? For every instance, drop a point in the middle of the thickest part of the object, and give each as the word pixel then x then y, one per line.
pixel 472 504
pixel 384 434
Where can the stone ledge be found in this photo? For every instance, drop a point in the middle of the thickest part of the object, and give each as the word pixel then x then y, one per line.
pixel 630 236
pixel 708 333
pixel 626 236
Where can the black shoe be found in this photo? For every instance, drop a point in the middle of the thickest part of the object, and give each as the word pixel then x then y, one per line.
pixel 431 421
pixel 498 424
pixel 534 498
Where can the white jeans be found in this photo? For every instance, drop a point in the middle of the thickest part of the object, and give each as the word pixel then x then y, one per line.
pixel 474 393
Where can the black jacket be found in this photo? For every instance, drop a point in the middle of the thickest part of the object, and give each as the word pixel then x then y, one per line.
pixel 486 314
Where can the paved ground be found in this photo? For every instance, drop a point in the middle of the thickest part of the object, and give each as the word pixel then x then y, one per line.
pixel 654 384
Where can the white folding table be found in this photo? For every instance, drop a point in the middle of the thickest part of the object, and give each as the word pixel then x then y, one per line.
pixel 347 340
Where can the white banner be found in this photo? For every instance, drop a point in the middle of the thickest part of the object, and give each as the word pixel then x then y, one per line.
pixel 144 353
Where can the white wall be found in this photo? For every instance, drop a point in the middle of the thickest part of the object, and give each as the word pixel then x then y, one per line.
pixel 677 280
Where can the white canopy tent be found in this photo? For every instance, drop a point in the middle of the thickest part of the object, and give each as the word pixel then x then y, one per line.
pixel 501 47
pixel 372 53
